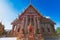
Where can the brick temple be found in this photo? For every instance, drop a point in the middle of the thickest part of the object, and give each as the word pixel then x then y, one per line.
pixel 31 25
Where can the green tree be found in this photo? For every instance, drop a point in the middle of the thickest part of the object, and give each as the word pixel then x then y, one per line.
pixel 58 30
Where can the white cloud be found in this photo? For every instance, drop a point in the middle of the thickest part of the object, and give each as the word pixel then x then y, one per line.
pixel 48 17
pixel 7 13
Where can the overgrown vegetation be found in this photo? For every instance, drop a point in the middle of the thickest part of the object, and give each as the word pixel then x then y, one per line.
pixel 58 30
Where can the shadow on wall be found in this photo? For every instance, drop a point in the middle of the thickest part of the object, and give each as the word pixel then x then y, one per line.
pixel 52 38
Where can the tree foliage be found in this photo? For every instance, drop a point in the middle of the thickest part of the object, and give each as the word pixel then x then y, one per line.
pixel 58 30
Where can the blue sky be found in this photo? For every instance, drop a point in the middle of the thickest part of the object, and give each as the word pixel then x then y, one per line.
pixel 10 9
